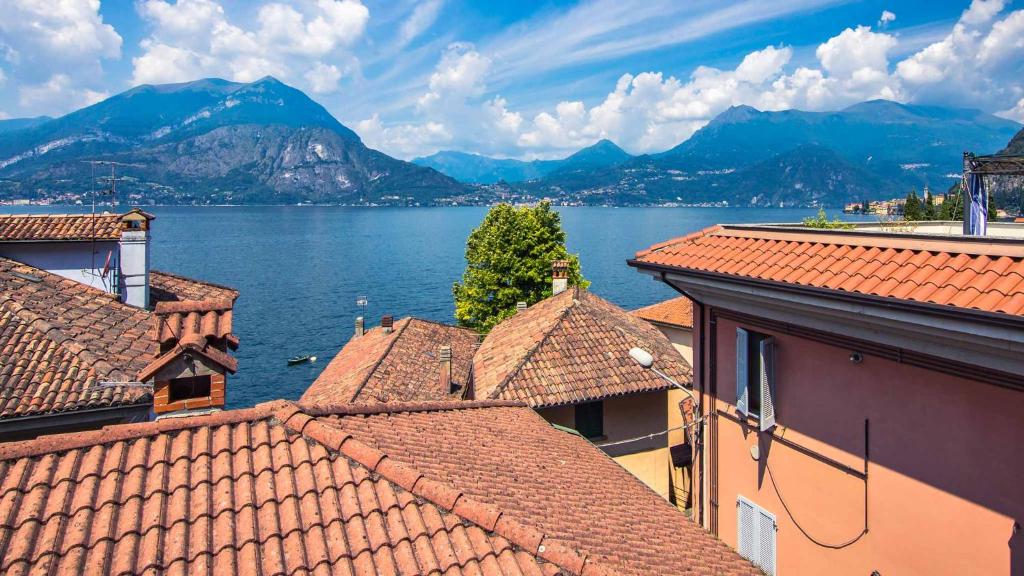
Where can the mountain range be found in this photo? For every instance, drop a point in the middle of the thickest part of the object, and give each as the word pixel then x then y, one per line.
pixel 477 169
pixel 212 141
pixel 746 157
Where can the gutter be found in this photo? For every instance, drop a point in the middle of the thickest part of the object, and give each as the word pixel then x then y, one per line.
pixel 70 418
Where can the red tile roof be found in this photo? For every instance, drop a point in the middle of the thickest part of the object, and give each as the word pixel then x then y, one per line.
pixel 398 367
pixel 571 348
pixel 193 320
pixel 676 312
pixel 167 287
pixel 985 274
pixel 557 483
pixel 51 227
pixel 60 339
pixel 274 490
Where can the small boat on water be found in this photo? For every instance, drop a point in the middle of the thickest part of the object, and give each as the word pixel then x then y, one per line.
pixel 301 360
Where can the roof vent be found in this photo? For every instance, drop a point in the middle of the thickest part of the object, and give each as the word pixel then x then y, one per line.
pixel 387 323
pixel 520 306
pixel 559 276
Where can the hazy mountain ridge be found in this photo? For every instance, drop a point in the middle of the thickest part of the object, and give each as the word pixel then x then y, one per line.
pixel 214 141
pixel 876 149
pixel 478 169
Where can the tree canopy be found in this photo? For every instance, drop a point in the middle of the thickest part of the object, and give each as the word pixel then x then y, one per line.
pixel 508 260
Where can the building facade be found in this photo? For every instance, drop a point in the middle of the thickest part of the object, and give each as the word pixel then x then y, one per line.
pixel 861 397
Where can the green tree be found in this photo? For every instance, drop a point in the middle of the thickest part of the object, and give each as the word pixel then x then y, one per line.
pixel 952 207
pixel 931 212
pixel 912 210
pixel 508 260
pixel 821 221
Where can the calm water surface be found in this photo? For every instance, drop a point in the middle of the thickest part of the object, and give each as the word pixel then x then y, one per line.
pixel 301 269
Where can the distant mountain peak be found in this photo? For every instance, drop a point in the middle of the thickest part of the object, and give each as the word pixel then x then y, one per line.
pixel 736 115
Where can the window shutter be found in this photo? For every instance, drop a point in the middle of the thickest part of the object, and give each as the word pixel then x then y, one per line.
pixel 741 371
pixel 746 526
pixel 767 368
pixel 755 538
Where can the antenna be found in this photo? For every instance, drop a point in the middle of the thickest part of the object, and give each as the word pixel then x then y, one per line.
pixel 113 179
pixel 362 302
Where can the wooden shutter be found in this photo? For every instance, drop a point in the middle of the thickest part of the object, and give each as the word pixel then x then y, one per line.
pixel 741 371
pixel 767 368
pixel 755 538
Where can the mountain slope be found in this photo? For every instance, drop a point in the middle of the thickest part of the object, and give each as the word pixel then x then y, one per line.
pixel 477 169
pixel 879 149
pixel 13 124
pixel 214 141
pixel 1016 145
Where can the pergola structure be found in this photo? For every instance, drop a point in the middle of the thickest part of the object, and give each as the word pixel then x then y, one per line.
pixel 975 170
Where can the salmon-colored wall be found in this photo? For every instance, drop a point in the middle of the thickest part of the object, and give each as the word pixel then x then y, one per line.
pixel 945 477
pixel 627 417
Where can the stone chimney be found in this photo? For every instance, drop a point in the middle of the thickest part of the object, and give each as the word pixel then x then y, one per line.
pixel 387 323
pixel 445 366
pixel 520 307
pixel 134 258
pixel 360 326
pixel 559 276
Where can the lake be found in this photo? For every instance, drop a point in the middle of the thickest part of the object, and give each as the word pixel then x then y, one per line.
pixel 301 269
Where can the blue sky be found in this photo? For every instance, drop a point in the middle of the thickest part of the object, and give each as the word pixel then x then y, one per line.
pixel 523 79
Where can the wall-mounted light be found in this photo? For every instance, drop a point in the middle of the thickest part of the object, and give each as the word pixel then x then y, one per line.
pixel 856 357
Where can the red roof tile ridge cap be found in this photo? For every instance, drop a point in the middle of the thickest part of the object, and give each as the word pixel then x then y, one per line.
pixel 691 236
pixel 196 280
pixel 441 493
pixel 395 335
pixel 180 306
pixel 368 409
pixel 529 353
pixel 124 432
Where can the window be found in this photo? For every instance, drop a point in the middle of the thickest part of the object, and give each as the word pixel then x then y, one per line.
pixel 755 534
pixel 590 419
pixel 191 387
pixel 755 377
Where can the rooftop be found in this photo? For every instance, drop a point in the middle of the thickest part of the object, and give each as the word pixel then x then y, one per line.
pixel 63 227
pixel 284 489
pixel 572 347
pixel 400 366
pixel 675 312
pixel 981 274
pixel 60 340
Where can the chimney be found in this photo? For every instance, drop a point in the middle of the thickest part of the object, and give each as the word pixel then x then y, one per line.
pixel 520 306
pixel 387 323
pixel 360 326
pixel 134 258
pixel 445 361
pixel 559 276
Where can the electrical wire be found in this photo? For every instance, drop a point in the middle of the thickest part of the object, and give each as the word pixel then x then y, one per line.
pixel 648 436
pixel 801 528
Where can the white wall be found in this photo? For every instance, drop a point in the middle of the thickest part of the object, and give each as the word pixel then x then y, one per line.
pixel 72 260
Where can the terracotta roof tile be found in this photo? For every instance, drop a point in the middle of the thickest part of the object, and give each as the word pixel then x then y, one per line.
pixel 167 287
pixel 60 339
pixel 570 348
pixel 50 227
pixel 674 312
pixel 928 270
pixel 243 491
pixel 401 366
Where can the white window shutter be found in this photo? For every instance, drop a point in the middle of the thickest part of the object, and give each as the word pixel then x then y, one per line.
pixel 741 371
pixel 766 542
pixel 746 528
pixel 767 368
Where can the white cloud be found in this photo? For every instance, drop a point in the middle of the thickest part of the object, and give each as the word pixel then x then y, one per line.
pixel 57 92
pixel 423 17
pixel 1014 113
pixel 886 18
pixel 856 49
pixel 41 40
pixel 189 39
pixel 405 140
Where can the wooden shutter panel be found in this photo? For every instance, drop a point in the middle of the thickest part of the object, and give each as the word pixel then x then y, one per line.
pixel 741 371
pixel 767 368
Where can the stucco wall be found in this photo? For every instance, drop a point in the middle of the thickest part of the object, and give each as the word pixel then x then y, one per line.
pixel 72 260
pixel 944 477
pixel 629 417
pixel 681 339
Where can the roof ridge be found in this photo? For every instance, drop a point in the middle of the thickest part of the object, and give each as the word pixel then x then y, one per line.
pixel 382 356
pixel 398 407
pixel 529 353
pixel 438 323
pixel 206 282
pixel 123 432
pixel 444 495
pixel 691 236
